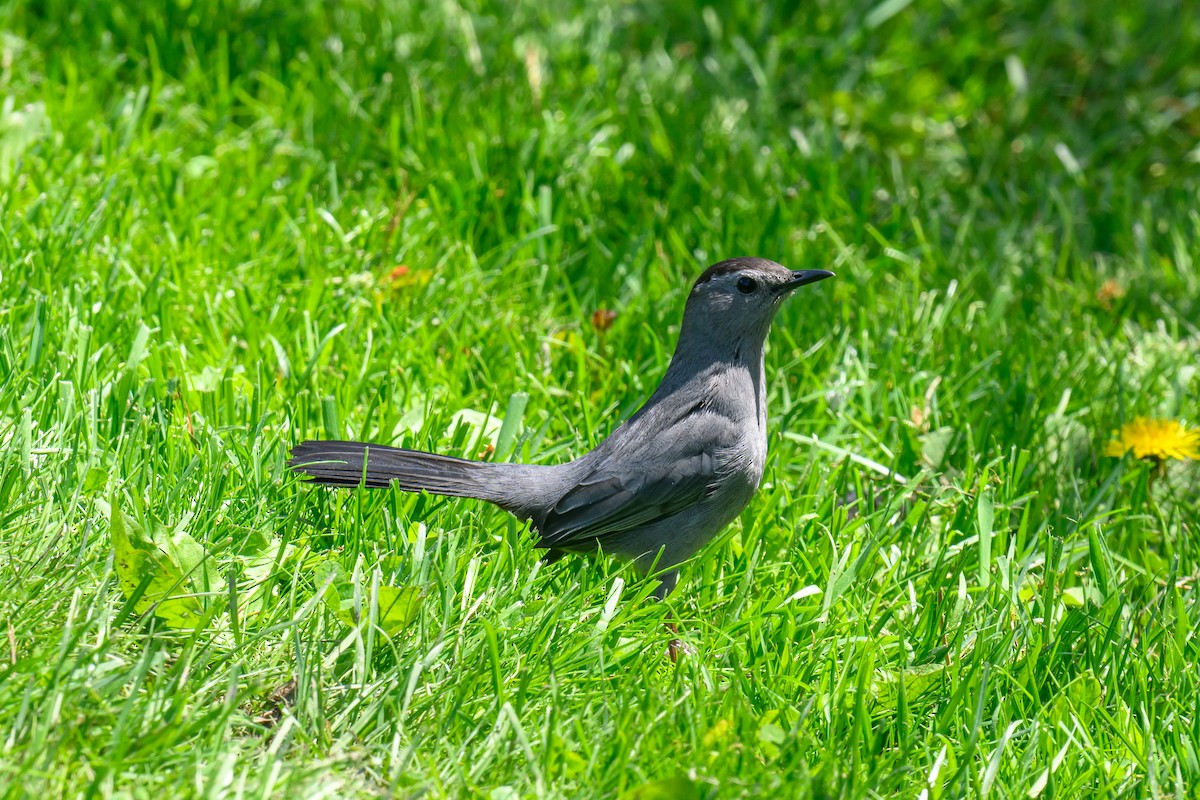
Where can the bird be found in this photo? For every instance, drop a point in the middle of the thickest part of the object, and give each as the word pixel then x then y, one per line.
pixel 666 481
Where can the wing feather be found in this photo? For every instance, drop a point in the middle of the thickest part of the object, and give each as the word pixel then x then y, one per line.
pixel 606 503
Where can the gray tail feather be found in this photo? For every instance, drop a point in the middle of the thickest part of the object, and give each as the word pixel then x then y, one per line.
pixel 357 463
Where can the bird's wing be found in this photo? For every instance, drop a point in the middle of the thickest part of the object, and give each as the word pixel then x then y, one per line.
pixel 607 501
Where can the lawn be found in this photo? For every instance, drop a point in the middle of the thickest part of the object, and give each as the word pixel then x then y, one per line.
pixel 227 226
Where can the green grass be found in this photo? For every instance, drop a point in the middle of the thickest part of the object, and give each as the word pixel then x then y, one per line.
pixel 201 208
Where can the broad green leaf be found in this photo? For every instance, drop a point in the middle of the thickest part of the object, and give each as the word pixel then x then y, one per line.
pixel 1080 596
pixel 190 557
pixel 934 444
pixel 484 428
pixel 678 788
pixel 917 680
pixel 770 734
pixel 95 479
pixel 1079 698
pixel 260 558
pixel 398 607
pixel 337 592
pixel 719 734
pixel 171 573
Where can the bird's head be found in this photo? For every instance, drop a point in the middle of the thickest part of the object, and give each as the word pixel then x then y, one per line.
pixel 735 300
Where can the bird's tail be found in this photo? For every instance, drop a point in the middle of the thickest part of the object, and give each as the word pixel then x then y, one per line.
pixel 357 463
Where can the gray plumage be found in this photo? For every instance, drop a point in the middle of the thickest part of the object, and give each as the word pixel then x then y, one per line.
pixel 667 480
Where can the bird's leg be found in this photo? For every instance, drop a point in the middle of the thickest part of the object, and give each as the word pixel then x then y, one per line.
pixel 677 647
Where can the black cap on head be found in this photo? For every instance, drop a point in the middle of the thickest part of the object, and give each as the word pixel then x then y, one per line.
pixel 735 265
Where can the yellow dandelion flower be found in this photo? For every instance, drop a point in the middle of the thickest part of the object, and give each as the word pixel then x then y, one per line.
pixel 1157 439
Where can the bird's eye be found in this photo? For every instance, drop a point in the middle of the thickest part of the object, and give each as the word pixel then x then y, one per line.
pixel 747 285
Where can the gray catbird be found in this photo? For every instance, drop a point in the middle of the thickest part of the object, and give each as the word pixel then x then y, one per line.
pixel 665 481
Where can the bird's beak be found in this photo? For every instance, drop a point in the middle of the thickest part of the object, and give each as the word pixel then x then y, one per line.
pixel 803 277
